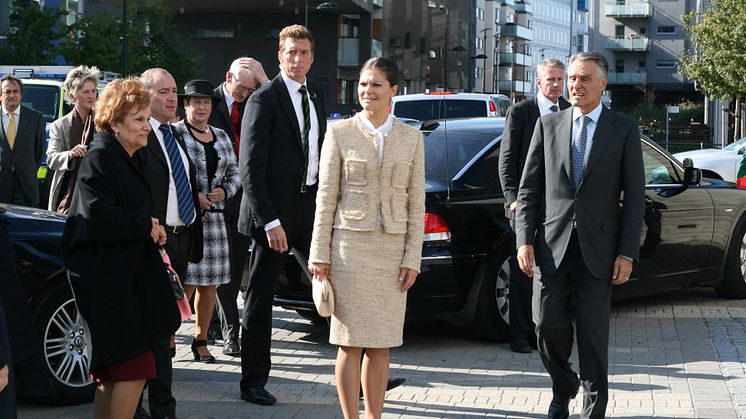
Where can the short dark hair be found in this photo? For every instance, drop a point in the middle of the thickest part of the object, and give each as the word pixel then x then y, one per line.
pixel 384 65
pixel 11 77
pixel 296 32
pixel 592 56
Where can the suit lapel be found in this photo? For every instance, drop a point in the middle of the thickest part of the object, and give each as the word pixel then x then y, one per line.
pixel 564 138
pixel 601 138
pixel 155 148
pixel 320 117
pixel 283 96
pixel 533 111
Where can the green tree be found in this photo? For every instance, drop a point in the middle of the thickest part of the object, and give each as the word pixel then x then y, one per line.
pixel 34 34
pixel 718 58
pixel 151 42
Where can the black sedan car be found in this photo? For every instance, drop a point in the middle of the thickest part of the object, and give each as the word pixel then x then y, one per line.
pixel 693 234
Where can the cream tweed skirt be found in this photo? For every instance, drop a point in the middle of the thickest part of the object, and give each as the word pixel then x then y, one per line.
pixel 369 308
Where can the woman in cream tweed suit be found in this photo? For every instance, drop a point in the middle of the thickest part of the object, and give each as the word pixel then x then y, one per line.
pixel 367 235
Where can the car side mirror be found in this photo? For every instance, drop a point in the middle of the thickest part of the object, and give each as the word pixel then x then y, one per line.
pixel 692 175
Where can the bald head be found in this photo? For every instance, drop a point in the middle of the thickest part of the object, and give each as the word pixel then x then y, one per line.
pixel 240 81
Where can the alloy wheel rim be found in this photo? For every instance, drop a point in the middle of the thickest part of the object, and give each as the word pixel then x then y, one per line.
pixel 742 257
pixel 67 348
pixel 502 291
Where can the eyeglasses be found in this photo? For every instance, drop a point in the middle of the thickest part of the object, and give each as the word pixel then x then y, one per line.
pixel 245 89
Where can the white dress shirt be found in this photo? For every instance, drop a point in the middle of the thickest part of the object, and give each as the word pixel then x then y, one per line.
pixel 590 129
pixel 228 99
pixel 545 104
pixel 6 120
pixel 172 209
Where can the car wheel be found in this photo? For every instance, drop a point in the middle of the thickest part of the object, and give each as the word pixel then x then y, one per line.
pixel 312 316
pixel 492 317
pixel 734 276
pixel 66 344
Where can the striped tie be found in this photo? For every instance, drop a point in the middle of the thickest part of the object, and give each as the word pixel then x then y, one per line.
pixel 306 128
pixel 183 189
pixel 578 153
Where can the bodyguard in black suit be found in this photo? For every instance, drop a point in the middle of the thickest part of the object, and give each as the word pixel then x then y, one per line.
pixel 283 127
pixel 183 236
pixel 242 79
pixel 519 127
pixel 22 147
pixel 570 222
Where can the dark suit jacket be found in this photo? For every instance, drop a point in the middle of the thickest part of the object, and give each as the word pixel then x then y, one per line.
pixel 18 182
pixel 157 173
pixel 548 202
pixel 519 127
pixel 221 115
pixel 271 161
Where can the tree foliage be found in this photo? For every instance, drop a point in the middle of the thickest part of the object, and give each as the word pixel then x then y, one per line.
pixel 718 59
pixel 151 42
pixel 34 34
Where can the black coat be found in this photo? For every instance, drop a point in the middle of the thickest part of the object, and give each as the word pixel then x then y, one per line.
pixel 18 182
pixel 120 283
pixel 271 161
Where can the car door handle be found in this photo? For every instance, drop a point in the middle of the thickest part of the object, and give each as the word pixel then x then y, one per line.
pixel 687 226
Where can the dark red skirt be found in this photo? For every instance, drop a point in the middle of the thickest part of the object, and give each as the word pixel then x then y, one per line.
pixel 140 367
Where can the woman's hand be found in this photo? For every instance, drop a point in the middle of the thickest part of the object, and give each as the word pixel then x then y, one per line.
pixel 78 151
pixel 204 201
pixel 406 279
pixel 157 232
pixel 320 270
pixel 216 195
pixel 4 372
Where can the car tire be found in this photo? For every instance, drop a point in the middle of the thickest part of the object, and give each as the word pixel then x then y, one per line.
pixel 492 315
pixel 66 344
pixel 734 276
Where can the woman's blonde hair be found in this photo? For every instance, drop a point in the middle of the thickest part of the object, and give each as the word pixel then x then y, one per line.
pixel 118 98
pixel 79 75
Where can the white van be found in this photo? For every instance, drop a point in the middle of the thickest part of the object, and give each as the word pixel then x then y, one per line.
pixel 449 105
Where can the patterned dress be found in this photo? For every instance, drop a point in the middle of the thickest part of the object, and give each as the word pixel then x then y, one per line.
pixel 214 269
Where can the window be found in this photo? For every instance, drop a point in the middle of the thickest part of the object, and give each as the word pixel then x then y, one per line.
pixel 619 66
pixel 658 168
pixel 497 16
pixel 643 30
pixel 346 92
pixel 665 64
pixel 619 31
pixel 666 30
pixel 432 4
pixel 641 64
pixel 215 33
pixel 395 42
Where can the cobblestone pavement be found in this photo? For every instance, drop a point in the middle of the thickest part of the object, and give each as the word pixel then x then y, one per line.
pixel 679 355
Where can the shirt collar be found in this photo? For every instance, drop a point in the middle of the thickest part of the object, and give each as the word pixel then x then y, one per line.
pixel 544 102
pixel 594 114
pixel 17 112
pixel 228 98
pixel 291 84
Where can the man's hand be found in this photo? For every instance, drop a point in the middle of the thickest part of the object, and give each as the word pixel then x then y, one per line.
pixel 406 279
pixel 622 270
pixel 320 270
pixel 526 259
pixel 4 372
pixel 277 239
pixel 256 68
pixel 513 206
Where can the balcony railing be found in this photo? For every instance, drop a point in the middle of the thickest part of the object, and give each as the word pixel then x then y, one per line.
pixel 636 10
pixel 628 78
pixel 510 58
pixel 377 3
pixel 347 52
pixel 516 31
pixel 524 8
pixel 508 3
pixel 634 44
pixel 518 86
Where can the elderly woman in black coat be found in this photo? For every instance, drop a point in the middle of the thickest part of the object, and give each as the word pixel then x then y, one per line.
pixel 110 250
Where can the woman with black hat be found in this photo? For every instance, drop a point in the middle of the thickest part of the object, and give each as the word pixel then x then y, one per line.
pixel 211 150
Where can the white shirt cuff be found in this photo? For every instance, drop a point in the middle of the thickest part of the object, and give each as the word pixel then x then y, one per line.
pixel 272 224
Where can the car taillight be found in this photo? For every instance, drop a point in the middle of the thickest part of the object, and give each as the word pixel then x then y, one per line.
pixel 436 228
pixel 493 109
pixel 741 183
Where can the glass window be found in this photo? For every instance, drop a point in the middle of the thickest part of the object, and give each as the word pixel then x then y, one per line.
pixel 659 169
pixel 461 147
pixel 666 29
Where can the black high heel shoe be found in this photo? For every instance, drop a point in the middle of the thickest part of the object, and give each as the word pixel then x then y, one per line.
pixel 197 343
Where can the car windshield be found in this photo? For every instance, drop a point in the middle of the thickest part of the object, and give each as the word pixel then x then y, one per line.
pixel 736 145
pixel 43 99
pixel 426 110
pixel 462 147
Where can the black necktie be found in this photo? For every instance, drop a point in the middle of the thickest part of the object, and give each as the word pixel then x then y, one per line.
pixel 306 128
pixel 553 108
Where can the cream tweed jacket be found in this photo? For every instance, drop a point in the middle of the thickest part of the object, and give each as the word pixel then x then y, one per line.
pixel 356 190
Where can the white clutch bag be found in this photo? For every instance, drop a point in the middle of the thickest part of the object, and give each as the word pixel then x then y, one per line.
pixel 323 297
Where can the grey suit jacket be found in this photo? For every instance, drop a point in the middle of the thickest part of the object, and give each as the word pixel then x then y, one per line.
pixel 18 167
pixel 548 202
pixel 58 155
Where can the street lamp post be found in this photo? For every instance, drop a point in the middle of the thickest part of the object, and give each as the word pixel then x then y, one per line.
pixel 484 63
pixel 124 38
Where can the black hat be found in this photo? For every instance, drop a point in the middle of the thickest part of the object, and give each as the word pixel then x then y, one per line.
pixel 199 88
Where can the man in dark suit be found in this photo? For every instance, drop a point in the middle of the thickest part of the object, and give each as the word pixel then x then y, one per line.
pixel 171 176
pixel 242 79
pixel 283 127
pixel 22 146
pixel 570 222
pixel 519 127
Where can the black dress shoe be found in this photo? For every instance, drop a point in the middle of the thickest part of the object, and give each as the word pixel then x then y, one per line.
pixel 141 413
pixel 258 395
pixel 520 346
pixel 197 343
pixel 232 348
pixel 559 408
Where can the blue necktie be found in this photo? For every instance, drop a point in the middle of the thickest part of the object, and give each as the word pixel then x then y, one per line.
pixel 578 152
pixel 554 108
pixel 181 180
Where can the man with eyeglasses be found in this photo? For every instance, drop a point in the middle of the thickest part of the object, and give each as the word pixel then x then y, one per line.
pixel 242 79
